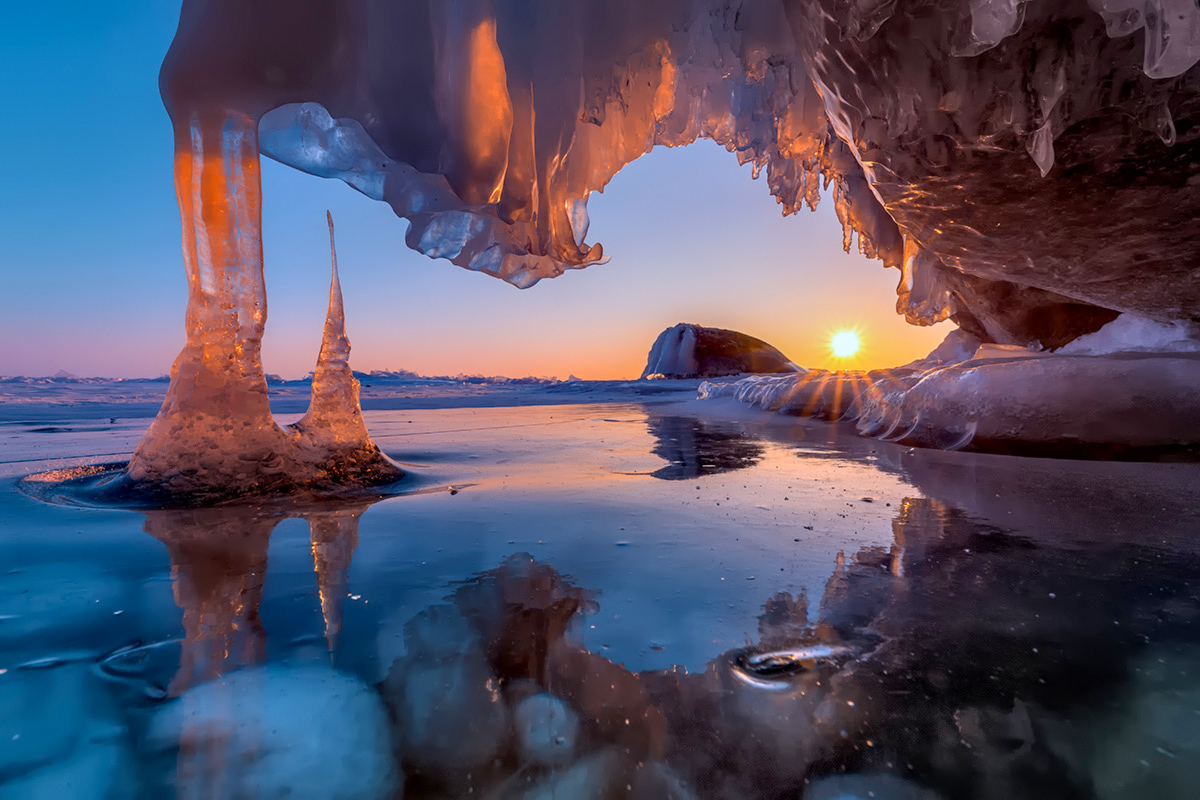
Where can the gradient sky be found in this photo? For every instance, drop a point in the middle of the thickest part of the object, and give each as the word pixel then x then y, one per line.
pixel 94 283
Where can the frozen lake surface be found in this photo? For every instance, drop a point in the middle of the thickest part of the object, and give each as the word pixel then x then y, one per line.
pixel 586 591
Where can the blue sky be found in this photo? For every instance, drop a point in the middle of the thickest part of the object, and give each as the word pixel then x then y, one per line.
pixel 94 283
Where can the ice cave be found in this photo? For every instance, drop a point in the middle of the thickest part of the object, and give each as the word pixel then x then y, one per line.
pixel 1029 168
pixel 974 576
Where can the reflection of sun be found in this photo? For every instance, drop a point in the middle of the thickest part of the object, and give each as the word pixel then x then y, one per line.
pixel 844 344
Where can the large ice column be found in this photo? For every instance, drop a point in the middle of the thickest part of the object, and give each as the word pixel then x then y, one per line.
pixel 215 425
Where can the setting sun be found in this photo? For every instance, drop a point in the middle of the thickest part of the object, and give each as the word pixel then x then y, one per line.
pixel 844 344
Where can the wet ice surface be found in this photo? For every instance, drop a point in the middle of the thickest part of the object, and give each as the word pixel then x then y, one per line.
pixel 615 599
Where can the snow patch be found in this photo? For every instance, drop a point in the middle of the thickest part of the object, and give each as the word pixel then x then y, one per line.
pixel 1130 333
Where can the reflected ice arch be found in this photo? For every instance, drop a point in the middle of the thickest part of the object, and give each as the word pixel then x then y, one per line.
pixel 1028 165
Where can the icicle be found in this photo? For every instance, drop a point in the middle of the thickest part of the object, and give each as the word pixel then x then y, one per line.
pixel 1041 148
pixel 215 436
pixel 1172 31
pixel 923 297
pixel 215 428
pixel 1157 119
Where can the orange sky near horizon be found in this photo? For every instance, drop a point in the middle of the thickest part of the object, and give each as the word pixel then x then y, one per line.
pixel 692 238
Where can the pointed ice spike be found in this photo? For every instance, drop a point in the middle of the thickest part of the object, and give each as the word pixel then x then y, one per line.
pixel 334 418
pixel 335 346
pixel 332 435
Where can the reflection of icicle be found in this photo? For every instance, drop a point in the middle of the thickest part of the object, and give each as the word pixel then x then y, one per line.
pixel 334 536
pixel 218 565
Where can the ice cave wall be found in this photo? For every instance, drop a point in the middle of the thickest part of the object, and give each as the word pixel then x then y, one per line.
pixel 1031 166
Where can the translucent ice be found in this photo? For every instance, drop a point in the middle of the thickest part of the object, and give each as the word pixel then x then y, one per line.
pixel 488 124
pixel 1172 31
pixel 298 732
pixel 1132 333
pixel 1027 165
pixel 215 435
pixel 334 423
pixel 1007 399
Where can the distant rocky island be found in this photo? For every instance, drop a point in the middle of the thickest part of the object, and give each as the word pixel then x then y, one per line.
pixel 693 351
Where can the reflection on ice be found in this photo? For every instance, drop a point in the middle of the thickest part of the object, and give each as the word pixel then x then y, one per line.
pixel 993 633
pixel 496 696
pixel 695 447
pixel 219 565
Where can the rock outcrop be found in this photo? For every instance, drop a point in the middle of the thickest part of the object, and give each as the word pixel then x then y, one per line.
pixel 691 351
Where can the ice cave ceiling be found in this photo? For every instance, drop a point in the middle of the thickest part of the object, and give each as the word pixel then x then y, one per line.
pixel 1032 166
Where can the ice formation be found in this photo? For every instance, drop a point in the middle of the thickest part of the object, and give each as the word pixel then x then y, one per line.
pixel 215 435
pixel 959 137
pixel 1130 333
pixel 690 351
pixel 1028 165
pixel 993 398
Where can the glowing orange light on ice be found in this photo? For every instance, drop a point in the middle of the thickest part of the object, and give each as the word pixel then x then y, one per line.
pixel 844 344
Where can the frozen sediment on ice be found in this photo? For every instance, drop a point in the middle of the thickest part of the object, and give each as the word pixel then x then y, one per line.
pixel 448 717
pixel 546 730
pixel 692 351
pixel 1130 403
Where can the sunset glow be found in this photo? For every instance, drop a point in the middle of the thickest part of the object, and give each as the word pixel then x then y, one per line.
pixel 844 344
